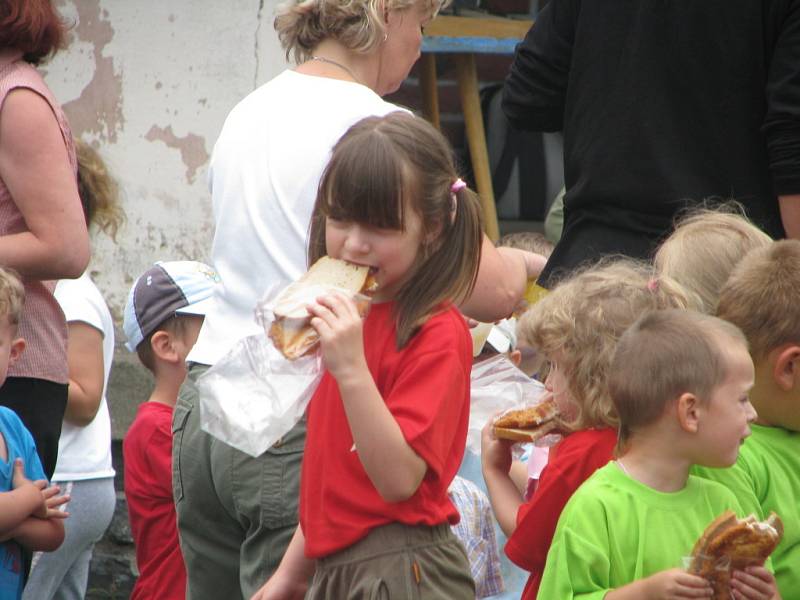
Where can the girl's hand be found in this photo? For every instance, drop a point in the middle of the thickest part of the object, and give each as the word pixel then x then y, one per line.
pixel 340 330
pixel 495 454
pixel 677 584
pixel 754 583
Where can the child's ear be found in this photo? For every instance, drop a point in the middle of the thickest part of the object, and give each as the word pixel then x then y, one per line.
pixel 786 369
pixel 515 356
pixel 688 406
pixel 17 348
pixel 163 347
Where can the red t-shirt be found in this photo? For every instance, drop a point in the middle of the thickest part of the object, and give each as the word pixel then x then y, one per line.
pixel 572 461
pixel 147 450
pixel 426 387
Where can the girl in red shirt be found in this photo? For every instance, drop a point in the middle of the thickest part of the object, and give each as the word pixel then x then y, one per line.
pixel 387 425
pixel 576 327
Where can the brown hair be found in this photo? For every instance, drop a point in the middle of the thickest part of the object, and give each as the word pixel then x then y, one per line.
pixel 705 246
pixel 31 26
pixel 384 166
pixel 762 297
pixel 583 317
pixel 662 355
pixel 174 325
pixel 358 24
pixel 98 191
pixel 12 295
pixel 532 241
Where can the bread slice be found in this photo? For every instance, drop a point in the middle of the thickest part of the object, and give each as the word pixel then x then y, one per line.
pixel 730 544
pixel 527 424
pixel 291 331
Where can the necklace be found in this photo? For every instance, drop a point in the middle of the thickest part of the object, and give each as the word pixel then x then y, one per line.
pixel 622 468
pixel 337 64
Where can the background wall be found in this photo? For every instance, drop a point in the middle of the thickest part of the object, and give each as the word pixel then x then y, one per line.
pixel 149 83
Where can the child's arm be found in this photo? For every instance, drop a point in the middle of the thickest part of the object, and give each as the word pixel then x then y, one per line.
pixel 85 359
pixel 503 492
pixel 40 534
pixel 502 276
pixel 674 584
pixel 25 499
pixel 391 464
pixel 290 580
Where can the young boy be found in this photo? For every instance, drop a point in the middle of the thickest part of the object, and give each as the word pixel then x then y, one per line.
pixel 29 515
pixel 163 316
pixel 762 298
pixel 679 381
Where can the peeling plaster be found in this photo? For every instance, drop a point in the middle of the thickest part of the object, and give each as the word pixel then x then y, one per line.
pixel 191 146
pixel 98 109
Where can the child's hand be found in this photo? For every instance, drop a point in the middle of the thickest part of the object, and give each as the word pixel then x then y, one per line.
pixel 495 454
pixel 279 587
pixel 340 330
pixel 18 478
pixel 52 501
pixel 677 584
pixel 754 583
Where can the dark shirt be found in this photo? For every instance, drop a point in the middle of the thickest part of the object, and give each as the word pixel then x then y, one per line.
pixel 663 104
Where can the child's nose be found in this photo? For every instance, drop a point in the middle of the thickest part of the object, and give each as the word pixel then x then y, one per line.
pixel 356 241
pixel 752 415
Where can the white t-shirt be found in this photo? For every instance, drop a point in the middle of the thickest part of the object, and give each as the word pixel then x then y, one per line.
pixel 264 174
pixel 85 452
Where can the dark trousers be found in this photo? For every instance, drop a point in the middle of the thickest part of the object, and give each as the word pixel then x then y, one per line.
pixel 40 404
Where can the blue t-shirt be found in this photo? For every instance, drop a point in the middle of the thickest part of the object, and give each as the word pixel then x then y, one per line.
pixel 20 445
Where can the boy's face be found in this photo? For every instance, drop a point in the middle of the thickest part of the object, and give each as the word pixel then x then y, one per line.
pixel 726 416
pixel 10 346
pixel 188 336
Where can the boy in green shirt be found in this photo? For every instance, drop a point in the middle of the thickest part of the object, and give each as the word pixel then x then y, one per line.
pixel 762 298
pixel 679 381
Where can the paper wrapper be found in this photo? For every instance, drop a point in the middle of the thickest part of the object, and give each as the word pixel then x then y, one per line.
pixel 254 395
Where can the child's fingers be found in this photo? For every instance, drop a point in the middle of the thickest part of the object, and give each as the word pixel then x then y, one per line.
pixel 51 491
pixel 339 305
pixel 56 514
pixel 751 585
pixel 41 484
pixel 57 500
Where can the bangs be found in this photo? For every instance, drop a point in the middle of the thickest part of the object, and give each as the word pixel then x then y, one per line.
pixel 364 183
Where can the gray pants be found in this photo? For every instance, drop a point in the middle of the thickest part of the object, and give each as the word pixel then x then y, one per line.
pixel 236 513
pixel 63 574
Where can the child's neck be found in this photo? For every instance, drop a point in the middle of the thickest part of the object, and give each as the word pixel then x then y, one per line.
pixel 167 388
pixel 650 463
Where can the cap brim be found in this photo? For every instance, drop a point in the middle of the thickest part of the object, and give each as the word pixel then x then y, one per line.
pixel 201 308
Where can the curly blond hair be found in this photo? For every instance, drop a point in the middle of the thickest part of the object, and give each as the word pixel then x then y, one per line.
pixel 582 319
pixel 98 191
pixel 12 296
pixel 705 246
pixel 358 24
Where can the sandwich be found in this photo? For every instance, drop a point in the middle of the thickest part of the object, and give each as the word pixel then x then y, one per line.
pixel 729 544
pixel 291 331
pixel 527 424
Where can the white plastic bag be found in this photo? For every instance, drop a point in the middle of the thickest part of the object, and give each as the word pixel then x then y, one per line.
pixel 253 395
pixel 497 385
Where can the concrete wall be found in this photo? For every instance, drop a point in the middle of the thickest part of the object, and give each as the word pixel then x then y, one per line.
pixel 149 83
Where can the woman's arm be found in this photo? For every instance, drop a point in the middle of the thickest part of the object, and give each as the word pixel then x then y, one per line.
pixel 35 168
pixel 86 373
pixel 502 277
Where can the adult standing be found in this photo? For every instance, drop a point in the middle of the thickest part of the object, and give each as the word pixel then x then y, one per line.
pixel 42 230
pixel 236 514
pixel 662 105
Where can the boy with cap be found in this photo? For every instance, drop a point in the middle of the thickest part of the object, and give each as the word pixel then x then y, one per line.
pixel 163 316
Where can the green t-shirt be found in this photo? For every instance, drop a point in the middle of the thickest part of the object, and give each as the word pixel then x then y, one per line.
pixel 615 530
pixel 766 478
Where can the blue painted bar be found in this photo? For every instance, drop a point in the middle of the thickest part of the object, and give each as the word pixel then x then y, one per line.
pixel 475 45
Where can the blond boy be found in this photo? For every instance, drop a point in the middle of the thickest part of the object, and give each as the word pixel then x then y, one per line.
pixel 762 298
pixel 29 515
pixel 679 381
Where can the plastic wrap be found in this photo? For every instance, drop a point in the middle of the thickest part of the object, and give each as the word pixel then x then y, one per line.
pixel 254 395
pixel 497 386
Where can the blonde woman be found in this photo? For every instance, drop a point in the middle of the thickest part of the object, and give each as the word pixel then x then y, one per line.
pixel 236 514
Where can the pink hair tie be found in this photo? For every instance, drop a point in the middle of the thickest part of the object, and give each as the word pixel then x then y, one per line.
pixel 457 186
pixel 652 285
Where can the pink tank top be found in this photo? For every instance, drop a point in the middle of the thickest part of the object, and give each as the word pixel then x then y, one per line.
pixel 42 325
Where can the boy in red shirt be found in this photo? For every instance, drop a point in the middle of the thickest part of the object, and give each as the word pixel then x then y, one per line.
pixel 163 316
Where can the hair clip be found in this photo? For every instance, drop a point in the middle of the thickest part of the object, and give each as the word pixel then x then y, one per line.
pixel 457 186
pixel 652 284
